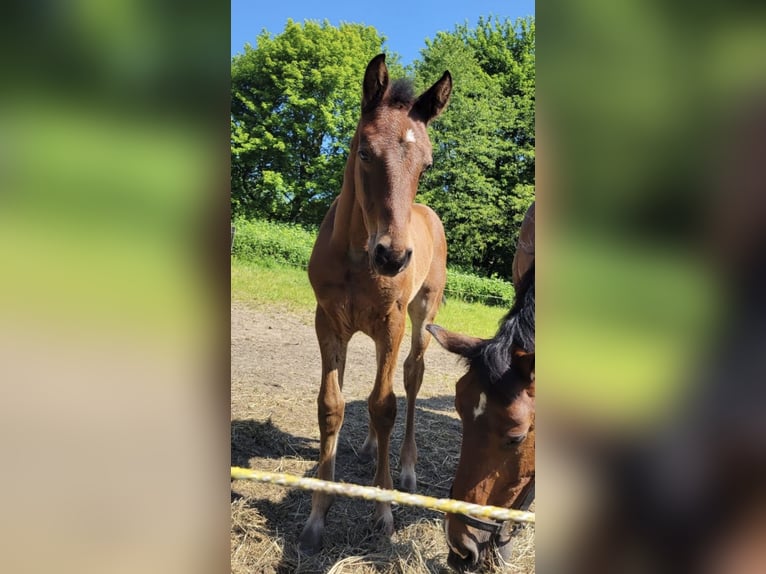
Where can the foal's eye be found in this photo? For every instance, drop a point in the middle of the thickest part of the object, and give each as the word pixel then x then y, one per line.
pixel 364 155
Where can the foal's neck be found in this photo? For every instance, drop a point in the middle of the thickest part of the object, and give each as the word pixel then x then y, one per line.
pixel 349 232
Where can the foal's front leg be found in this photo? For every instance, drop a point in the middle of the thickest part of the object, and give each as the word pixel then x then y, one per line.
pixel 330 408
pixel 382 407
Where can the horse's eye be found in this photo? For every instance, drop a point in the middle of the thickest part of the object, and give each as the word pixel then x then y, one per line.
pixel 512 441
pixel 364 155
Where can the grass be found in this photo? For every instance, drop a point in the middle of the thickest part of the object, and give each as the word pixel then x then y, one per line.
pixel 271 284
pixel 288 287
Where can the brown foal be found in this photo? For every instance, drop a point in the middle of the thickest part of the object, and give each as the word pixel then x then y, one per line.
pixel 377 257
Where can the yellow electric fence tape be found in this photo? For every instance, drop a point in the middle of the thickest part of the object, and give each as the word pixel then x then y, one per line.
pixel 381 495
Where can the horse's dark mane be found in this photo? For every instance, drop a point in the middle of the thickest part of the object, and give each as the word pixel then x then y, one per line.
pixel 493 358
pixel 401 93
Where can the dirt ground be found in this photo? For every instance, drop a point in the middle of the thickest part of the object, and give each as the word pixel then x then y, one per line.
pixel 275 370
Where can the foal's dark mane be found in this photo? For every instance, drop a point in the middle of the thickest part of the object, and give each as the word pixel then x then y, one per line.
pixel 493 357
pixel 402 93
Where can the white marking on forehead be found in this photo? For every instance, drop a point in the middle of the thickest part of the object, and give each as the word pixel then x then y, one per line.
pixel 481 407
pixel 409 136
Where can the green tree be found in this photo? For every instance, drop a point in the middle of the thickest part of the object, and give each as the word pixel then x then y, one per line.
pixel 484 156
pixel 295 104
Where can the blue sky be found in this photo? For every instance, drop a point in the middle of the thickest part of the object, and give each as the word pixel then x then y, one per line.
pixel 404 24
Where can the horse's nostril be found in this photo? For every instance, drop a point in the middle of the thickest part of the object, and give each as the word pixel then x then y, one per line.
pixel 407 256
pixel 463 553
pixel 473 555
pixel 463 563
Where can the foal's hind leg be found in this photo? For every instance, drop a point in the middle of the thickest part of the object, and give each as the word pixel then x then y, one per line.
pixel 330 409
pixel 422 311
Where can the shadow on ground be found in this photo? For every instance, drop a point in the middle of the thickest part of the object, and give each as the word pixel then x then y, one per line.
pixel 263 445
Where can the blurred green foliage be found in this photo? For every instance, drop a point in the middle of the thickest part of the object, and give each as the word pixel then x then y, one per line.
pixel 113 196
pixel 88 224
pixel 109 159
pixel 635 160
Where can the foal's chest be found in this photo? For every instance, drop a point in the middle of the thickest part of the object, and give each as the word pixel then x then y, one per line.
pixel 363 302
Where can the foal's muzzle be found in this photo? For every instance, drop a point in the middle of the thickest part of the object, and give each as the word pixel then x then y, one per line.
pixel 388 262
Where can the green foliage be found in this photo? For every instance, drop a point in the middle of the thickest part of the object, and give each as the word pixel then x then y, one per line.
pixel 264 241
pixel 484 159
pixel 472 288
pixel 295 104
pixel 280 243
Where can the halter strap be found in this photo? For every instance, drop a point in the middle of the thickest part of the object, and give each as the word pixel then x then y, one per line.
pixel 488 525
pixel 525 499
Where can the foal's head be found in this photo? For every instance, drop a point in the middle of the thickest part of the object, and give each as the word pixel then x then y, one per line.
pixel 496 403
pixel 389 152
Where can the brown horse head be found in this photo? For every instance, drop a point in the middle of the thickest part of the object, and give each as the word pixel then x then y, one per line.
pixel 495 400
pixel 389 152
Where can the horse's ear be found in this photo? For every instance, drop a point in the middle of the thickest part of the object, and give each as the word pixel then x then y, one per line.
pixel 375 82
pixel 433 101
pixel 524 366
pixel 463 345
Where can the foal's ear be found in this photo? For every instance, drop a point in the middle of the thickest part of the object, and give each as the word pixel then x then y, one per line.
pixel 375 82
pixel 524 366
pixel 463 345
pixel 433 101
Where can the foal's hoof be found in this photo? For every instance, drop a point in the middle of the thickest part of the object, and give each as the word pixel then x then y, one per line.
pixel 384 523
pixel 310 541
pixel 408 482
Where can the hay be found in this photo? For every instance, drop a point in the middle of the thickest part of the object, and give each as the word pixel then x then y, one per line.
pixel 274 386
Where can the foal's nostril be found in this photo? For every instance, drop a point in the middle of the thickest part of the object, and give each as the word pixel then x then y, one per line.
pixel 407 257
pixel 380 254
pixel 388 261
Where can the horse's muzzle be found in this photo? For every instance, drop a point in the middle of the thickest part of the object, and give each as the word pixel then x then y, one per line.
pixel 387 262
pixel 477 541
pixel 463 565
pixel 476 556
